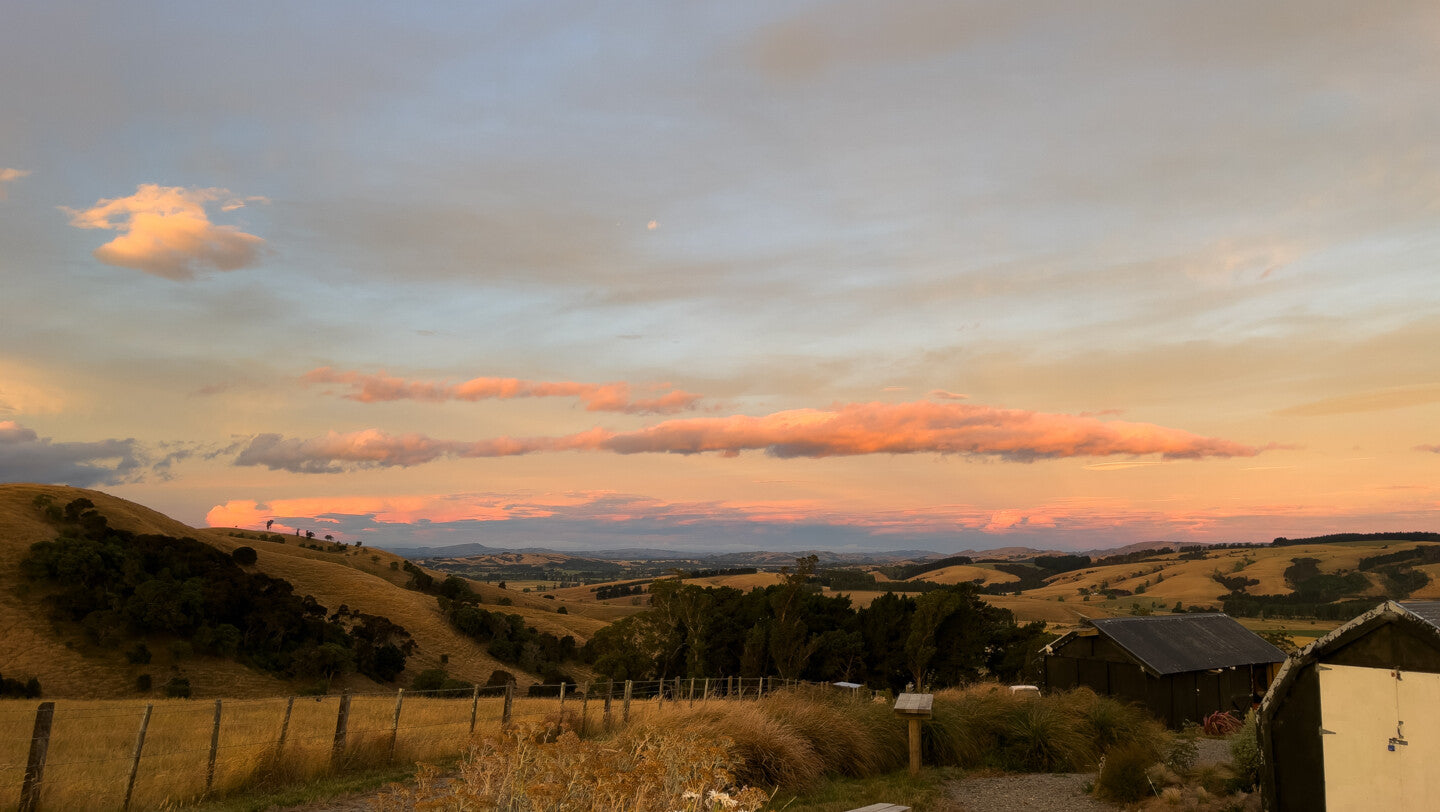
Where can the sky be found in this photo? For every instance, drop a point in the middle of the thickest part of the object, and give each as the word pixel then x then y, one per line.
pixel 725 276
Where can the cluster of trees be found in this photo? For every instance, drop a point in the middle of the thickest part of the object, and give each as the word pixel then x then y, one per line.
pixel 29 689
pixel 505 636
pixel 620 590
pixel 1336 538
pixel 119 585
pixel 948 636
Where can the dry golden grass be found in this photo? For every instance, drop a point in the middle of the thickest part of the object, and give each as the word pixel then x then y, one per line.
pixel 1028 609
pixel 360 578
pixel 966 574
pixel 92 743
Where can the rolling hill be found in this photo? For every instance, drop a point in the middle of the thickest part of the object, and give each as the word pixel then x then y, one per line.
pixel 363 579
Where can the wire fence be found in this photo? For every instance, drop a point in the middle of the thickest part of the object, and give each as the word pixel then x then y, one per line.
pixel 117 755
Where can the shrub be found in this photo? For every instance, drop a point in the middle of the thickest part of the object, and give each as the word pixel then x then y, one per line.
pixel 1184 749
pixel 244 556
pixel 562 611
pixel 140 655
pixel 178 688
pixel 143 683
pixel 1245 755
pixel 1123 774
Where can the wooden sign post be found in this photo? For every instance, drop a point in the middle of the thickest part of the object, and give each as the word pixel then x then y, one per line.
pixel 914 708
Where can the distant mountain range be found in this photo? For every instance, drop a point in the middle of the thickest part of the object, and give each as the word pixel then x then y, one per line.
pixel 765 558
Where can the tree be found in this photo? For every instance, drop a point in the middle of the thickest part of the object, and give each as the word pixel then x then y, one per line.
pixel 244 556
pixel 309 534
pixel 268 523
pixel 790 644
pixel 329 537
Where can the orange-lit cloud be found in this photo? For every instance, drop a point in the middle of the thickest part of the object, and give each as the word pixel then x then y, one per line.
pixel 597 397
pixel 846 430
pixel 165 231
pixel 9 175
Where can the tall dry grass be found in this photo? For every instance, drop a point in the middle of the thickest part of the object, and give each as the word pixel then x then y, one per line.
pixel 92 743
pixel 986 726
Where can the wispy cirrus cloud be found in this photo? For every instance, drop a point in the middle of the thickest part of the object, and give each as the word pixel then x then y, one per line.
pixel 845 430
pixel 1374 401
pixel 165 231
pixel 25 456
pixel 597 397
pixel 9 175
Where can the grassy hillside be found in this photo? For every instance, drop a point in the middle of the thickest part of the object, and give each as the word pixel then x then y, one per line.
pixel 66 664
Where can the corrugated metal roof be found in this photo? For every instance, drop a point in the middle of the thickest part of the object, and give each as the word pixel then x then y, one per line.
pixel 1428 611
pixel 1174 644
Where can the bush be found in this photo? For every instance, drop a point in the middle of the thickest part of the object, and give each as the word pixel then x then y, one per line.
pixel 140 655
pixel 1245 755
pixel 143 683
pixel 178 688
pixel 562 611
pixel 244 556
pixel 1123 775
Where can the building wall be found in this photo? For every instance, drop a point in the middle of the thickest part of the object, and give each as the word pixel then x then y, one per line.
pixel 1293 776
pixel 1097 663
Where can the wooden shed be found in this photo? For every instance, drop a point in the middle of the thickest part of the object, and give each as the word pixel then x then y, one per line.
pixel 1353 720
pixel 1181 667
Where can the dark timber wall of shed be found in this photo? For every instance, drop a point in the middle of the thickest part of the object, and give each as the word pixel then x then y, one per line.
pixel 1295 753
pixel 1098 663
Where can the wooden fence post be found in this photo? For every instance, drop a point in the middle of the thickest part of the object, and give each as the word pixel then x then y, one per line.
pixel 509 703
pixel 692 692
pixel 214 747
pixel 561 713
pixel 584 705
pixel 625 715
pixel 395 723
pixel 135 760
pixel 609 693
pixel 706 695
pixel 35 764
pixel 474 708
pixel 284 727
pixel 661 693
pixel 729 687
pixel 342 721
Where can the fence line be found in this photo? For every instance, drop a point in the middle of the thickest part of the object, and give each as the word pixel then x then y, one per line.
pixel 103 754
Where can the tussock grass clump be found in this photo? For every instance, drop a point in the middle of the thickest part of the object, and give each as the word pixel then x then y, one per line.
pixel 532 768
pixel 766 751
pixel 848 736
pixel 985 725
pixel 1109 721
pixel 1047 737
pixel 969 725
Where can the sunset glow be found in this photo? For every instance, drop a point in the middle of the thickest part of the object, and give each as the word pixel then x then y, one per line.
pixel 743 276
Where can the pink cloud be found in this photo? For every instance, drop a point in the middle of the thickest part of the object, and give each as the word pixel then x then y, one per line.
pixel 845 430
pixel 165 231
pixel 597 397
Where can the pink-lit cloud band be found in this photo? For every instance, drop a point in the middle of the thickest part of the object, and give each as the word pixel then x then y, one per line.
pixel 845 430
pixel 597 397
